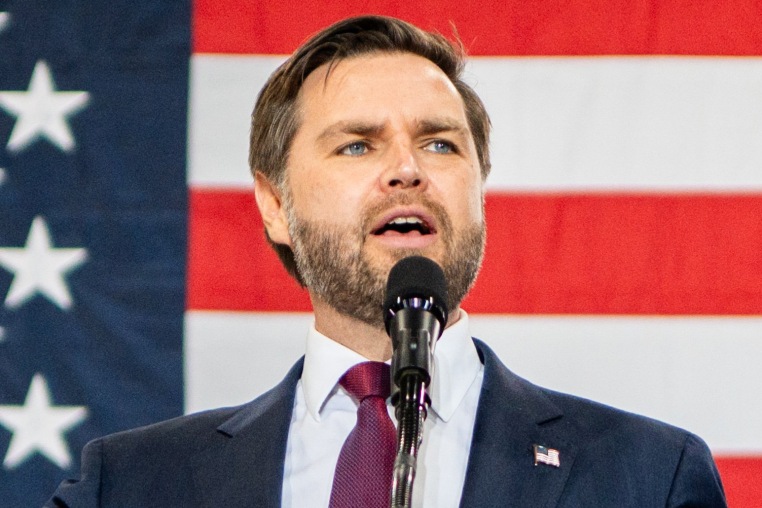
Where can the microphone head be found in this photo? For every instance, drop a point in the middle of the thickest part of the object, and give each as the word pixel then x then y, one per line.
pixel 416 282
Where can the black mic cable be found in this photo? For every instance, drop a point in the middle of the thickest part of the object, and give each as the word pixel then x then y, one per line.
pixel 415 315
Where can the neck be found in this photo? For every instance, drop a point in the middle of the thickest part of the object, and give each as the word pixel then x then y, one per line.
pixel 371 342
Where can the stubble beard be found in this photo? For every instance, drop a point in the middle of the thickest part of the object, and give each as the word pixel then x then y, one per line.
pixel 335 267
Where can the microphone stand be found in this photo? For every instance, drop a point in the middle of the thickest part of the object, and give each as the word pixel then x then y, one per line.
pixel 414 334
pixel 411 411
pixel 415 313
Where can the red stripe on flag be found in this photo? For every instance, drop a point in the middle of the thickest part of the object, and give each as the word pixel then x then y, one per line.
pixel 506 27
pixel 230 264
pixel 741 479
pixel 546 254
pixel 621 254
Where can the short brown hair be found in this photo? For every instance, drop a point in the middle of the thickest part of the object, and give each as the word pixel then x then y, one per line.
pixel 275 118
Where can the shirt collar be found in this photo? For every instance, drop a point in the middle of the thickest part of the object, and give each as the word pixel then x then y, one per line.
pixel 456 365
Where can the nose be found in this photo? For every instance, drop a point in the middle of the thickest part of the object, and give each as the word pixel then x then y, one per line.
pixel 404 170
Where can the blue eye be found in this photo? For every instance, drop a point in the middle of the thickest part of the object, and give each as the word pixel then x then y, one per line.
pixel 440 146
pixel 356 148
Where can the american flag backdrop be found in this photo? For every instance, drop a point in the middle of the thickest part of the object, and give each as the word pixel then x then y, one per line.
pixel 624 212
pixel 93 229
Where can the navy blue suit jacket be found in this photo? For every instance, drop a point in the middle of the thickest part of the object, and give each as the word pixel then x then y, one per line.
pixel 233 457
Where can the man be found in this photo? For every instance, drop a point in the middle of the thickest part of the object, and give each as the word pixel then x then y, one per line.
pixel 366 147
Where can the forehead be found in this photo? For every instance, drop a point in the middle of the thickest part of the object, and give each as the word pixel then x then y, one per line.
pixel 377 85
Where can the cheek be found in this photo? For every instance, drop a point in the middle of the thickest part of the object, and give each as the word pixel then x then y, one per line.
pixel 311 205
pixel 475 208
pixel 467 200
pixel 323 199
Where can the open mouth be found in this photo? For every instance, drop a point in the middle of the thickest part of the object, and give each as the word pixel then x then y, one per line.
pixel 412 225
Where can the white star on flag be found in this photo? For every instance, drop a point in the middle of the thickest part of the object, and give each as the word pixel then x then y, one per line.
pixel 4 18
pixel 40 267
pixel 42 111
pixel 2 176
pixel 38 426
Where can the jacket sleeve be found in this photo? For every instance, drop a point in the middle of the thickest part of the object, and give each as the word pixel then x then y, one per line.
pixel 85 492
pixel 697 482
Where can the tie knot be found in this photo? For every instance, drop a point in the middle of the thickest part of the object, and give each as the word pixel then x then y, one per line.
pixel 367 379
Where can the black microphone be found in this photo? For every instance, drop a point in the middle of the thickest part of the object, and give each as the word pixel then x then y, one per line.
pixel 415 314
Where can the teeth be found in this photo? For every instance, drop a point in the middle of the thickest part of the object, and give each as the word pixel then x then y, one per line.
pixel 406 220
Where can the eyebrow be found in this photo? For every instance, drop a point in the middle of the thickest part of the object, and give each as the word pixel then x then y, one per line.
pixel 358 128
pixel 425 127
pixel 438 125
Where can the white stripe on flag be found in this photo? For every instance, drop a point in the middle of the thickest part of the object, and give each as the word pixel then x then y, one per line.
pixel 695 372
pixel 581 123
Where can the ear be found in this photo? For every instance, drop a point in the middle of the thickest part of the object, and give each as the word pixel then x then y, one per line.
pixel 271 208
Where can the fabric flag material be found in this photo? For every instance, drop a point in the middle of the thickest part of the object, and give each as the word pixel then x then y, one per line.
pixel 93 229
pixel 623 210
pixel 624 244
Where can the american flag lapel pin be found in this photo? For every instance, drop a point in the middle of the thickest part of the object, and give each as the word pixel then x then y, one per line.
pixel 545 455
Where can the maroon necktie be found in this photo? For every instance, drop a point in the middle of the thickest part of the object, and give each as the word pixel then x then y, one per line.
pixel 364 471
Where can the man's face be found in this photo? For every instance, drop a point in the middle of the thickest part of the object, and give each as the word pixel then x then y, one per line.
pixel 383 166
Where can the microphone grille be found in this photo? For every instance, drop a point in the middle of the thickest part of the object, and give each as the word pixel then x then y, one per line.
pixel 416 276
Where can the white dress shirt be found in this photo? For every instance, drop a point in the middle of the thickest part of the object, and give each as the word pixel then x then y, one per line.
pixel 324 414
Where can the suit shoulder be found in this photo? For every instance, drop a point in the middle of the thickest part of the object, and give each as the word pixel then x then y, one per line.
pixel 588 419
pixel 195 430
pixel 601 432
pixel 182 431
pixel 166 459
pixel 595 417
pixel 676 462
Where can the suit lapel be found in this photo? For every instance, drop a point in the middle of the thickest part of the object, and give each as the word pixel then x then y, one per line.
pixel 234 468
pixel 242 465
pixel 512 416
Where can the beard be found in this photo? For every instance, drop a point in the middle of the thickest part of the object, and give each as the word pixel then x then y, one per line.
pixel 335 267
